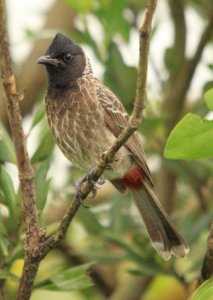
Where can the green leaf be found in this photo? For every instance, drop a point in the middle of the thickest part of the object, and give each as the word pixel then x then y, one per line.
pixel 82 6
pixel 4 274
pixel 45 147
pixel 86 38
pixel 3 230
pixel 192 138
pixel 204 292
pixel 42 184
pixel 119 219
pixel 147 269
pixel 152 125
pixel 115 21
pixel 7 151
pixel 210 66
pixel 6 185
pixel 208 97
pixel 104 256
pixel 38 116
pixel 4 244
pixel 194 227
pixel 124 245
pixel 146 266
pixel 119 77
pixel 171 60
pixel 89 221
pixel 69 280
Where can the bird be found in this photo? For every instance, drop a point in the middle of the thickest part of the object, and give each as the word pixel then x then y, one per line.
pixel 85 118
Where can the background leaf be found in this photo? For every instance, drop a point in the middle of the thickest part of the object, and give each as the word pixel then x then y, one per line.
pixel 7 151
pixel 42 184
pixel 192 138
pixel 4 244
pixel 208 97
pixel 89 221
pixel 6 185
pixel 204 292
pixel 123 86
pixel 45 147
pixel 68 280
pixel 82 6
pixel 38 116
pixel 114 21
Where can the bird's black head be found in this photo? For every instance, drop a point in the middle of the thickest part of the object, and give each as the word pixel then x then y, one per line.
pixel 65 61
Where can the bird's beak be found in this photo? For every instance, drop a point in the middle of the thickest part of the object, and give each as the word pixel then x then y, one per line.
pixel 48 60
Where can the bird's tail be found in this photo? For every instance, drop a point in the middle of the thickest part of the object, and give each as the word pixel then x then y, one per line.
pixel 162 232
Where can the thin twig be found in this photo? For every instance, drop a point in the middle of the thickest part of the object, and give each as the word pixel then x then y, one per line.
pixel 145 31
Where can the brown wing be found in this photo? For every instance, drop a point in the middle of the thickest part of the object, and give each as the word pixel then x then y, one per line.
pixel 116 119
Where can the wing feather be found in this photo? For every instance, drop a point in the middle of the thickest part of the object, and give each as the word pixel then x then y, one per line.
pixel 116 118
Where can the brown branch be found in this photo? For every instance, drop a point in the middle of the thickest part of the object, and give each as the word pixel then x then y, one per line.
pixel 207 267
pixel 178 17
pixel 37 246
pixel 25 169
pixel 145 31
pixel 30 217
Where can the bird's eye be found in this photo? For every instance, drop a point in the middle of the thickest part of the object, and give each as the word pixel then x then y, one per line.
pixel 67 57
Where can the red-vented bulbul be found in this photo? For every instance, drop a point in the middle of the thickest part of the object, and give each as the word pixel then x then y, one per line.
pixel 85 118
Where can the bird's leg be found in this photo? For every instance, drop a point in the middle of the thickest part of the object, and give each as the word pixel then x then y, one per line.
pixel 89 178
pixel 95 184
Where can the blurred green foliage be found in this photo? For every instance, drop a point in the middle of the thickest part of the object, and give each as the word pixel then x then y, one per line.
pixel 110 232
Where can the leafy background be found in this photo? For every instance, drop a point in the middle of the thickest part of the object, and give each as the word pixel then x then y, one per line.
pixel 107 254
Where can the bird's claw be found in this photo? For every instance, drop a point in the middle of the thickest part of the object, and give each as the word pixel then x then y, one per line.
pixel 101 181
pixel 90 176
pixel 94 184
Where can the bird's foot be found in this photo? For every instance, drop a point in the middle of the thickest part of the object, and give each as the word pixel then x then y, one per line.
pixel 89 178
pixel 95 187
pixel 101 181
